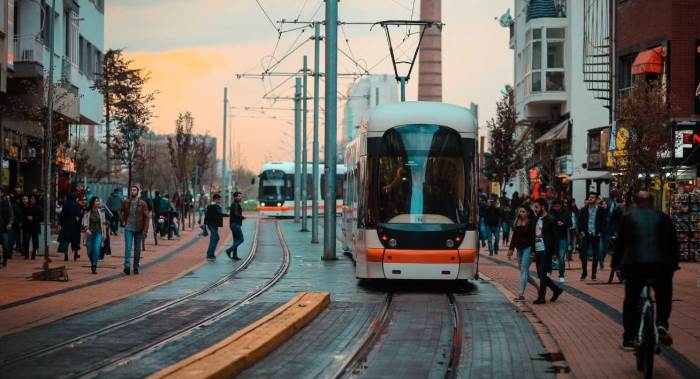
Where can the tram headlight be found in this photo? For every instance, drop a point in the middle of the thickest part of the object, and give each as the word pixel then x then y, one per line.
pixel 450 243
pixel 262 204
pixel 392 242
pixel 279 204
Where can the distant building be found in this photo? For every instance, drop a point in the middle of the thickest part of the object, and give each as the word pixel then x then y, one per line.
pixel 365 94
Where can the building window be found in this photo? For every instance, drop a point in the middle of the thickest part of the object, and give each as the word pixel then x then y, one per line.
pixel 81 54
pixel 546 60
pixel 625 79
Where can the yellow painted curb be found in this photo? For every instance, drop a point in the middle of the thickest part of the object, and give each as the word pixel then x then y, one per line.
pixel 242 349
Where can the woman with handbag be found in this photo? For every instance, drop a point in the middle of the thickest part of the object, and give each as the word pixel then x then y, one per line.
pixel 94 223
pixel 523 240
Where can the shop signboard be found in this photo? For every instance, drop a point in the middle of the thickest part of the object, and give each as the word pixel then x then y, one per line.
pixel 687 144
pixel 564 166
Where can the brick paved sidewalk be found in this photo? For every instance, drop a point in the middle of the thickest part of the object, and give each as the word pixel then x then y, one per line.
pixel 25 303
pixel 587 334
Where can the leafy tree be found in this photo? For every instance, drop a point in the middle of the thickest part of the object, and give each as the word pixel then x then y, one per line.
pixel 115 83
pixel 505 159
pixel 91 161
pixel 645 123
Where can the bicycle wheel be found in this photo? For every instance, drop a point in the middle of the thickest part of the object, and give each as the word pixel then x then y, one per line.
pixel 648 347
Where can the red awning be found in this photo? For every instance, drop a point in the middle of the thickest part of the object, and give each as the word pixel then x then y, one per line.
pixel 649 62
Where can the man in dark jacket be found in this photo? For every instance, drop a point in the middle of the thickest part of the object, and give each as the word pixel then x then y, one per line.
pixel 70 220
pixel 235 223
pixel 646 248
pixel 134 218
pixel 492 221
pixel 562 223
pixel 591 225
pixel 545 246
pixel 114 204
pixel 214 219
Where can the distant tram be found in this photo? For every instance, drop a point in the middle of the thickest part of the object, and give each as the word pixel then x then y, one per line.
pixel 409 206
pixel 276 189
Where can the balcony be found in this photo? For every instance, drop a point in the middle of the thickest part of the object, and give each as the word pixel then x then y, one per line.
pixel 70 72
pixel 27 58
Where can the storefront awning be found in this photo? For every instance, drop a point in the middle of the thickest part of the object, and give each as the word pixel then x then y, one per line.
pixel 558 132
pixel 591 175
pixel 649 62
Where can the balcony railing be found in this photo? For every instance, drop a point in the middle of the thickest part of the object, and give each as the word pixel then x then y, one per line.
pixel 70 72
pixel 28 49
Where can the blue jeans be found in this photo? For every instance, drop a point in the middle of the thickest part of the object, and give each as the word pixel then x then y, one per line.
pixel 237 237
pixel 213 241
pixel 525 260
pixel 93 243
pixel 132 238
pixel 492 231
pixel 563 249
pixel 482 230
pixel 603 248
pixel 506 226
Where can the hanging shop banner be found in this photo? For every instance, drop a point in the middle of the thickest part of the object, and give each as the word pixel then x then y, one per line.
pixel 564 166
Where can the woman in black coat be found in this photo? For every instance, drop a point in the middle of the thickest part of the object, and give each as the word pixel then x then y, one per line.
pixel 32 215
pixel 70 221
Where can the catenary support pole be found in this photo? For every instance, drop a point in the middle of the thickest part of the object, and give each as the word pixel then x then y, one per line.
pixel 223 162
pixel 297 147
pixel 331 126
pixel 314 169
pixel 304 152
pixel 402 79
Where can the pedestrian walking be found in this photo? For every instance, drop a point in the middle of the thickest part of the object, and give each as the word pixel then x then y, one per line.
pixel 32 215
pixel 545 247
pixel 70 222
pixel 214 219
pixel 591 223
pixel 114 204
pixel 562 220
pixel 646 249
pixel 7 219
pixel 524 242
pixel 235 223
pixel 134 218
pixel 605 206
pixel 94 222
pixel 573 229
pixel 202 205
pixel 14 234
pixel 507 218
pixel 492 221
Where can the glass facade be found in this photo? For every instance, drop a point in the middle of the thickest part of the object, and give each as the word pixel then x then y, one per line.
pixel 545 60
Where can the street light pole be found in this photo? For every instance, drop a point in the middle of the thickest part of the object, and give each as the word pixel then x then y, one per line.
pixel 304 153
pixel 223 162
pixel 314 169
pixel 331 128
pixel 297 148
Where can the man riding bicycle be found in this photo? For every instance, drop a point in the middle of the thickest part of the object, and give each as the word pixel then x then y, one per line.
pixel 646 251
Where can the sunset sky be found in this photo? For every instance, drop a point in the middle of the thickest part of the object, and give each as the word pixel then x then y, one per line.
pixel 194 48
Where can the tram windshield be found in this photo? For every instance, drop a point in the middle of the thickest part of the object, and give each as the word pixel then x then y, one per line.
pixel 275 186
pixel 422 176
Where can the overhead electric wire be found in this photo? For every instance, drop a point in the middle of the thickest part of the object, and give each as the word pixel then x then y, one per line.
pixel 267 16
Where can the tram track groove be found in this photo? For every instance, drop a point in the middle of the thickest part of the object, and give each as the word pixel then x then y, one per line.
pixel 357 363
pixel 159 309
pixel 138 352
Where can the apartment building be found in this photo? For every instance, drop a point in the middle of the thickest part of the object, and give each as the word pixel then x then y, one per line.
pixel 78 45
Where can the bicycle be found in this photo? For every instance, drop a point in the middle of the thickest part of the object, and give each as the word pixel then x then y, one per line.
pixel 647 342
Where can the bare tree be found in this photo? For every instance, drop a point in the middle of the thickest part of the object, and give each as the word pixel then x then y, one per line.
pixel 645 126
pixel 180 148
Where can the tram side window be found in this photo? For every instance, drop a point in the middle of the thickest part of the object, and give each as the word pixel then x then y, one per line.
pixel 338 186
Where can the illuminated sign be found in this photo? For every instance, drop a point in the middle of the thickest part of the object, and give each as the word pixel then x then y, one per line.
pixel 687 137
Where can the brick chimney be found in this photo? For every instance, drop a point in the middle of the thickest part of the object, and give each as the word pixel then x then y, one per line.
pixel 430 54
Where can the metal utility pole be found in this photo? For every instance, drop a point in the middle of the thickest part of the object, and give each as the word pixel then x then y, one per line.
pixel 297 148
pixel 304 153
pixel 48 137
pixel 331 126
pixel 223 162
pixel 314 169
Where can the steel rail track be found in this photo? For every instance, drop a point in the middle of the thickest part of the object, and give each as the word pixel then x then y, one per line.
pixel 352 366
pixel 159 309
pixel 138 352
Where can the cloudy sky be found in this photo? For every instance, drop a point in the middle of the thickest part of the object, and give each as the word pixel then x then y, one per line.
pixel 195 48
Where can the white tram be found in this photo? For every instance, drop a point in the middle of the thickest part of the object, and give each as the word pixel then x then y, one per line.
pixel 409 209
pixel 276 189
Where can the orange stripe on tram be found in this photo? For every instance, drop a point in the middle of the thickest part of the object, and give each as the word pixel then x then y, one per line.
pixel 467 256
pixel 375 255
pixel 421 256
